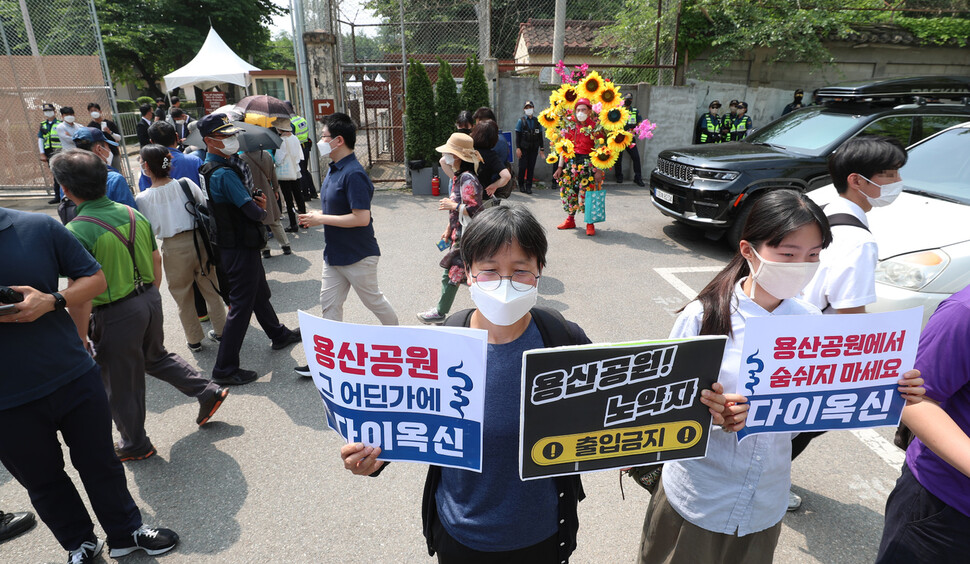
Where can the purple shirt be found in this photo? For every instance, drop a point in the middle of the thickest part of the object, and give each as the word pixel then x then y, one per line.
pixel 943 360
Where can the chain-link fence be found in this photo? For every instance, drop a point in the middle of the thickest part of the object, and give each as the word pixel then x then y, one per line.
pixel 51 54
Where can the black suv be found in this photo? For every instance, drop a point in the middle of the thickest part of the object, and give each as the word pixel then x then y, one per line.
pixel 714 186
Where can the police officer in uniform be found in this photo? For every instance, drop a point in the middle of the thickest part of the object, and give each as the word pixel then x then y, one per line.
pixel 301 129
pixel 631 149
pixel 528 146
pixel 796 103
pixel 49 143
pixel 741 123
pixel 709 126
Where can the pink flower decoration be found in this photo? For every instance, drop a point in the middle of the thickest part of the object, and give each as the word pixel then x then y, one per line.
pixel 644 130
pixel 598 107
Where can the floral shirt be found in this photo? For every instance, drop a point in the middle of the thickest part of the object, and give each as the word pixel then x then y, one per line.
pixel 465 190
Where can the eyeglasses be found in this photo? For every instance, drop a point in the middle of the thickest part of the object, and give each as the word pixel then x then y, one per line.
pixel 522 280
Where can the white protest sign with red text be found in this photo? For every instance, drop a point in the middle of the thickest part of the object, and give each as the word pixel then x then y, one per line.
pixel 825 372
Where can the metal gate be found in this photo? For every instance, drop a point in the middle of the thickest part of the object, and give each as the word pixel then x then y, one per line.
pixel 375 99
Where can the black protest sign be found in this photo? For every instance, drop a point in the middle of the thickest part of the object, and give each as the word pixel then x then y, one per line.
pixel 596 407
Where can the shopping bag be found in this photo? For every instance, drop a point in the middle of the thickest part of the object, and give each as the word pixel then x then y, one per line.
pixel 595 206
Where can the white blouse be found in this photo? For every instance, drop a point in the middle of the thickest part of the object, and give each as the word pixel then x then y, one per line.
pixel 166 210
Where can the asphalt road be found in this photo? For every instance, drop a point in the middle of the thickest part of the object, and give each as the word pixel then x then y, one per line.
pixel 263 481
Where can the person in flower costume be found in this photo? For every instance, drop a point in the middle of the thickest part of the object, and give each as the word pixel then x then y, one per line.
pixel 585 127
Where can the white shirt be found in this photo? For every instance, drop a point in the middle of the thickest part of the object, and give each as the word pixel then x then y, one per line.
pixel 846 274
pixel 65 131
pixel 165 208
pixel 742 487
pixel 288 158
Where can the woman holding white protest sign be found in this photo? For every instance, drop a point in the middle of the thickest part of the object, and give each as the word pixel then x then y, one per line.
pixel 728 506
pixel 494 516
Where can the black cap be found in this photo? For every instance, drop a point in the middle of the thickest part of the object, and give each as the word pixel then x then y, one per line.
pixel 799 91
pixel 715 104
pixel 48 107
pixel 733 103
pixel 529 103
pixel 743 105
pixel 216 123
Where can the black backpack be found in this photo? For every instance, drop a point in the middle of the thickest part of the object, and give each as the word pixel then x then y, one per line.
pixel 200 213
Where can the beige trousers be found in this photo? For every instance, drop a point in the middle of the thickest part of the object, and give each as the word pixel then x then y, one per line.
pixel 668 538
pixel 181 265
pixel 362 276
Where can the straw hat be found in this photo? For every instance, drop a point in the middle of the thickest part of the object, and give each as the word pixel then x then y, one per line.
pixel 462 146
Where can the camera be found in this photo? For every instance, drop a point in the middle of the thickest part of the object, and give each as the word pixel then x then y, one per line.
pixel 10 296
pixel 257 193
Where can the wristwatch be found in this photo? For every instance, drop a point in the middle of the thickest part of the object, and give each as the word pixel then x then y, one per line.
pixel 59 301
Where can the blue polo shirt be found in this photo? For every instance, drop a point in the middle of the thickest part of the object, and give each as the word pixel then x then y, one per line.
pixel 346 188
pixel 117 189
pixel 226 187
pixel 183 166
pixel 42 356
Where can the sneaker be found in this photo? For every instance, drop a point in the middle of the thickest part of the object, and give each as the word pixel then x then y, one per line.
pixel 568 224
pixel 209 407
pixel 794 502
pixel 303 371
pixel 13 524
pixel 287 250
pixel 152 541
pixel 195 347
pixel 431 317
pixel 237 378
pixel 291 339
pixel 87 552
pixel 266 253
pixel 127 454
pixel 590 229
pixel 639 183
pixel 213 337
pixel 203 318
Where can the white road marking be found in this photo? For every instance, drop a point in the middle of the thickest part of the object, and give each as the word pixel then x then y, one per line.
pixel 886 450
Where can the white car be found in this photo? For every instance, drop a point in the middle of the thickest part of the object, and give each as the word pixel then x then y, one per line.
pixel 924 236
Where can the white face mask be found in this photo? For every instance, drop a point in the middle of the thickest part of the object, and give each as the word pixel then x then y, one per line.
pixel 69 119
pixel 581 116
pixel 887 193
pixel 230 146
pixel 505 305
pixel 95 115
pixel 782 280
pixel 324 148
pixel 529 111
pixel 48 114
pixel 449 159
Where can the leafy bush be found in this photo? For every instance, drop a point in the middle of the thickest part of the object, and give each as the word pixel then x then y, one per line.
pixel 447 102
pixel 126 105
pixel 145 100
pixel 474 91
pixel 419 115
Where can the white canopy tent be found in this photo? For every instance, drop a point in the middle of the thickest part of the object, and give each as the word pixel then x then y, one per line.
pixel 215 64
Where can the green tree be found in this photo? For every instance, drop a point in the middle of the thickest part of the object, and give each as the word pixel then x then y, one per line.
pixel 147 39
pixel 447 103
pixel 419 115
pixel 474 90
pixel 278 53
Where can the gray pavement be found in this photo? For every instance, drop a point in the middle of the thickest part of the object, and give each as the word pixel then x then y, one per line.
pixel 263 481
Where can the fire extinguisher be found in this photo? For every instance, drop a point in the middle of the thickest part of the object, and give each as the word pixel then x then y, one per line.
pixel 435 186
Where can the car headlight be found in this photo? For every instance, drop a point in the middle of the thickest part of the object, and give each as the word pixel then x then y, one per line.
pixel 722 175
pixel 912 271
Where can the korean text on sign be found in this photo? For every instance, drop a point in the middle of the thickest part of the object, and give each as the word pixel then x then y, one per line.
pixel 823 372
pixel 418 393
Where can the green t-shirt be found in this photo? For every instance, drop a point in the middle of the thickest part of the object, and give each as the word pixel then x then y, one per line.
pixel 109 250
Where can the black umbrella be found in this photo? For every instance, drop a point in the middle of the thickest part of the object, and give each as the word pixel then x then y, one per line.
pixel 251 138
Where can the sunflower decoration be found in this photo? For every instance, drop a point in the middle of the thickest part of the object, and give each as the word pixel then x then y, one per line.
pixel 552 158
pixel 548 118
pixel 565 148
pixel 604 158
pixel 609 96
pixel 614 119
pixel 552 134
pixel 569 95
pixel 591 86
pixel 619 141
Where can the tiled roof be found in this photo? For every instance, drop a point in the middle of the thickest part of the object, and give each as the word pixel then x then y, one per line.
pixel 580 36
pixel 889 34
